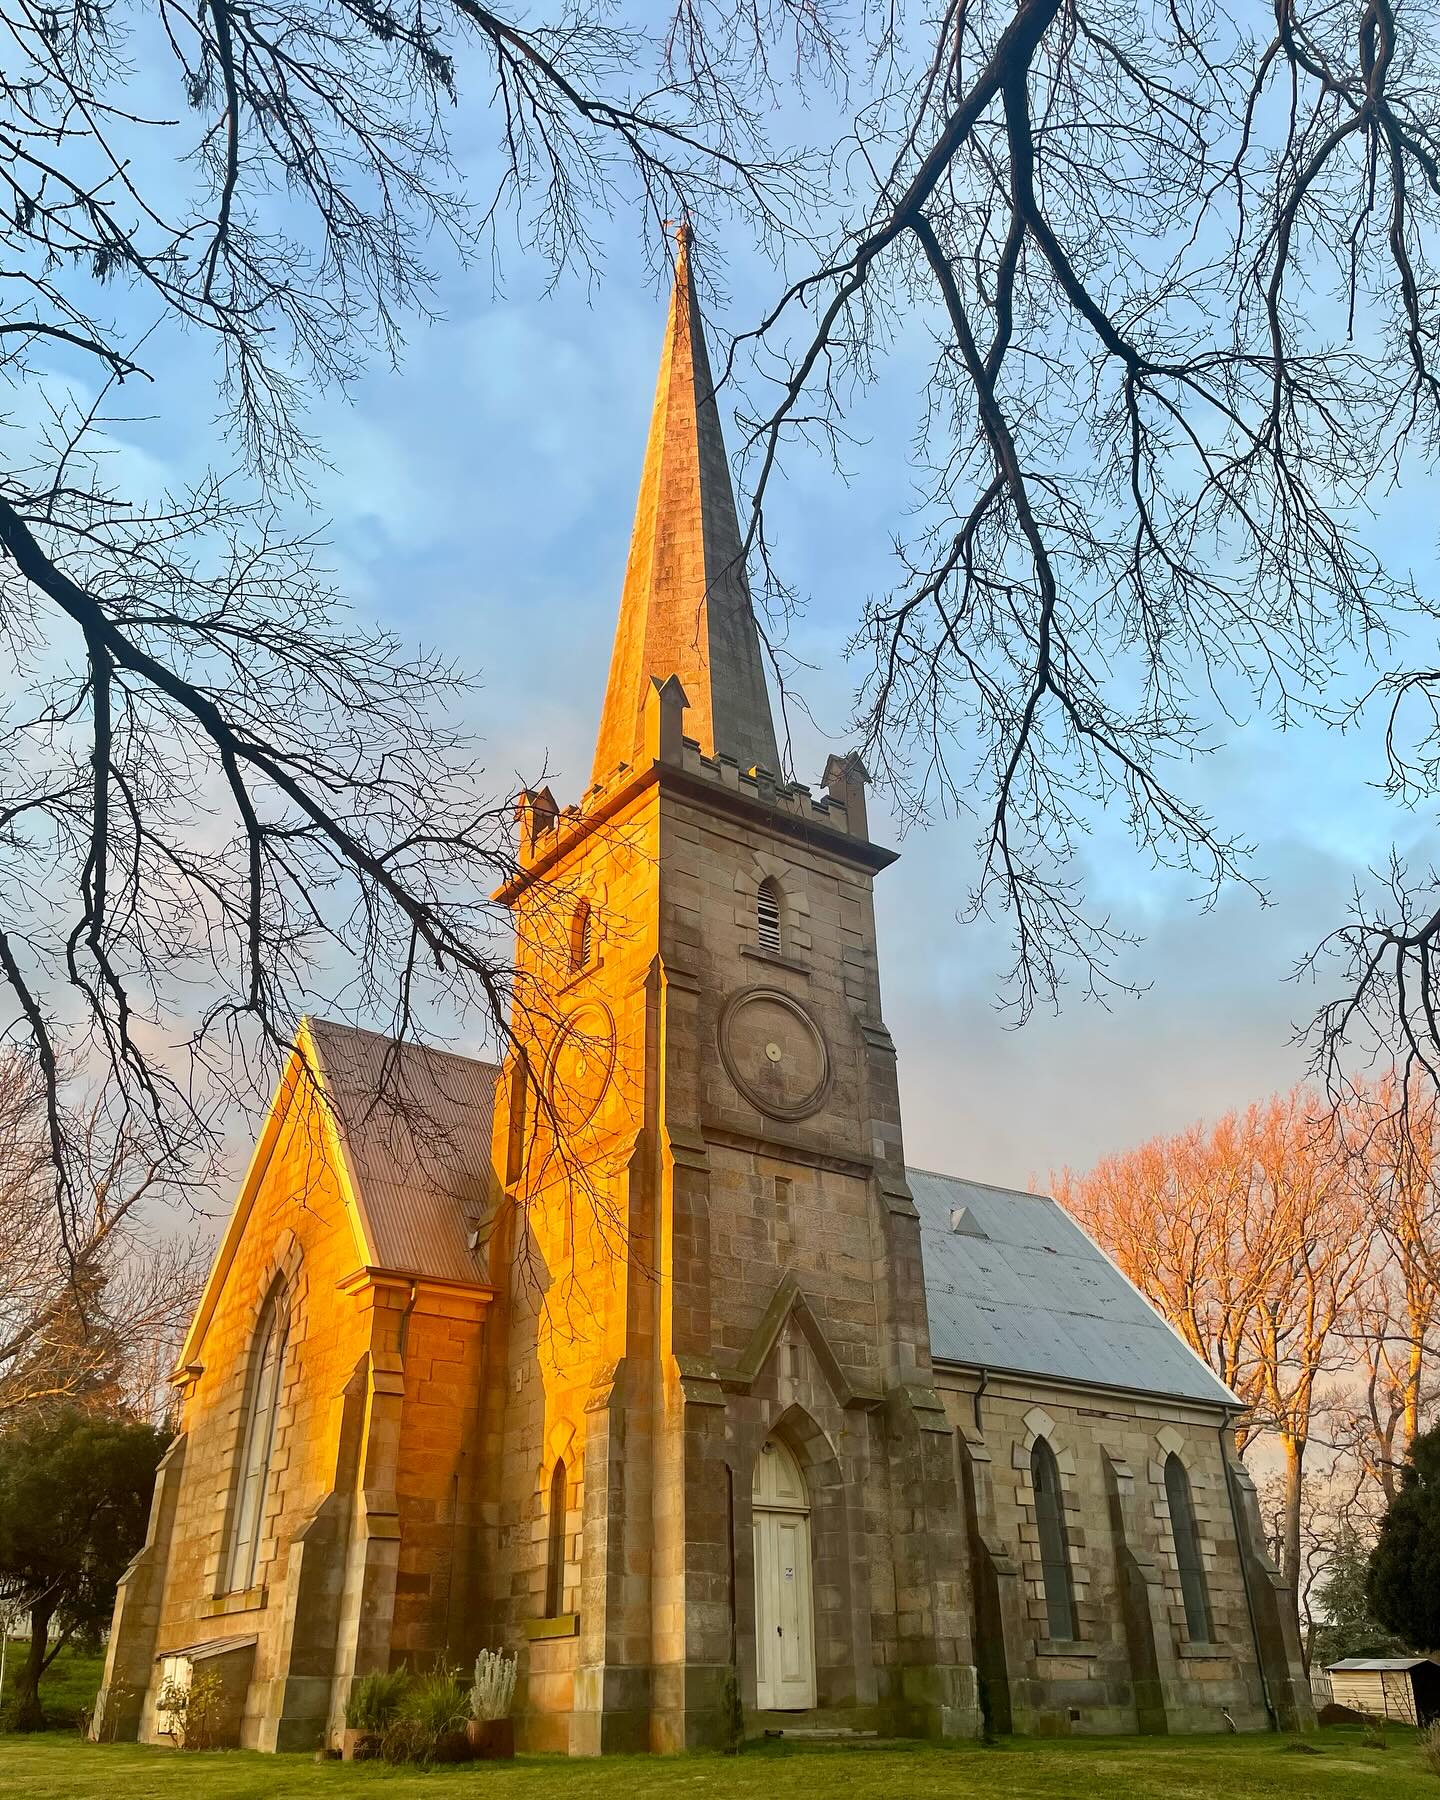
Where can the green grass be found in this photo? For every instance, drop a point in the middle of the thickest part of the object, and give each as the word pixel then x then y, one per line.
pixel 67 1688
pixel 1250 1768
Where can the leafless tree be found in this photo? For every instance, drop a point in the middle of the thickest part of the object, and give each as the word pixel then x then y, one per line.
pixel 1338 1511
pixel 1396 1319
pixel 92 1303
pixel 1179 275
pixel 220 799
pixel 1251 1236
pixel 1177 260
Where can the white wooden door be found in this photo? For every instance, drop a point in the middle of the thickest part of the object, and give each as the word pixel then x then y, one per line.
pixel 784 1608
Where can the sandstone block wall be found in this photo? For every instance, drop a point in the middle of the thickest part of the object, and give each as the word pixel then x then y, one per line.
pixel 1095 1683
pixel 297 1238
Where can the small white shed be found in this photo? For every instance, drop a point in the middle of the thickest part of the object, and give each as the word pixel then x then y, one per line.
pixel 1405 1688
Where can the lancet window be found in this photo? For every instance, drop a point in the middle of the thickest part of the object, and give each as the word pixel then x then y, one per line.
pixel 1054 1547
pixel 257 1445
pixel 1191 1563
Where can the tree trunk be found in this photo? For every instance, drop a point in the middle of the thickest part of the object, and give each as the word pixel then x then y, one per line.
pixel 1413 1377
pixel 1290 1525
pixel 28 1714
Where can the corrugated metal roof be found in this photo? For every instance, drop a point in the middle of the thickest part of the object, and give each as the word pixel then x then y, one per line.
pixel 415 1126
pixel 1383 1664
pixel 1034 1295
pixel 211 1647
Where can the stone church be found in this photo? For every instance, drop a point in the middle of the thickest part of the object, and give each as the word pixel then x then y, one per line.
pixel 645 1355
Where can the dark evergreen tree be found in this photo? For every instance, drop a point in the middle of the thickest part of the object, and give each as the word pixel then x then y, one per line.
pixel 74 1500
pixel 1349 1628
pixel 1403 1581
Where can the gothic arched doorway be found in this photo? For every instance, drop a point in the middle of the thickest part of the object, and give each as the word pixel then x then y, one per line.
pixel 784 1609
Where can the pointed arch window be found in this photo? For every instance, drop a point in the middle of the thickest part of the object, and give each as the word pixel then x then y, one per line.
pixel 582 936
pixel 1191 1563
pixel 555 1544
pixel 257 1445
pixel 767 916
pixel 1054 1548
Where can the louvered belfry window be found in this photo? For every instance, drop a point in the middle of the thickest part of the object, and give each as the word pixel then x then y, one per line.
pixel 767 916
pixel 582 936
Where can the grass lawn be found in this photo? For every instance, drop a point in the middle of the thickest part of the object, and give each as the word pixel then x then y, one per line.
pixel 65 1768
pixel 67 1688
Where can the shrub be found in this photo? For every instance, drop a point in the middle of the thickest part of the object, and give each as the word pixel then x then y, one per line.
pixel 436 1701
pixel 431 1714
pixel 194 1709
pixel 171 1702
pixel 375 1699
pixel 406 1742
pixel 202 1715
pixel 493 1688
pixel 1430 1744
pixel 106 1712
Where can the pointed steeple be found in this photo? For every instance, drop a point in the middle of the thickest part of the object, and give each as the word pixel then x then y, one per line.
pixel 686 606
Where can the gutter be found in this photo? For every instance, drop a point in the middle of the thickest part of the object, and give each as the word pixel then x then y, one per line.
pixel 1045 1378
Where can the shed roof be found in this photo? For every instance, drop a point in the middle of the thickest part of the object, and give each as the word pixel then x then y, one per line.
pixel 1013 1283
pixel 414 1125
pixel 211 1647
pixel 1381 1664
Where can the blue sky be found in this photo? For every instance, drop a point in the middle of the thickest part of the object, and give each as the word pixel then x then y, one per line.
pixel 480 501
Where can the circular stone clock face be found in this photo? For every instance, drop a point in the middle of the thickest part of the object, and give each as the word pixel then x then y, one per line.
pixel 774 1052
pixel 581 1063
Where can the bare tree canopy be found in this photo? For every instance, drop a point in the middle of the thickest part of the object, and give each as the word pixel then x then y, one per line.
pixel 1294 1246
pixel 221 800
pixel 93 1301
pixel 1179 272
pixel 1179 261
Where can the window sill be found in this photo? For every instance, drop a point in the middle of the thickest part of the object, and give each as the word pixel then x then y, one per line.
pixel 1203 1652
pixel 770 958
pixel 593 967
pixel 1066 1647
pixel 563 1625
pixel 244 1600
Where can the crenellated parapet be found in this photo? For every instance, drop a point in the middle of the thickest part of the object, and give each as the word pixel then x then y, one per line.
pixel 547 831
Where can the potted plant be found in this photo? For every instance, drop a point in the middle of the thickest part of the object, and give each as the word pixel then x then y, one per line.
pixel 490 1728
pixel 370 1710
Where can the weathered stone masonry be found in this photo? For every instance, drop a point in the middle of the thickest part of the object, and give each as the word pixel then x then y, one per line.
pixel 543 1324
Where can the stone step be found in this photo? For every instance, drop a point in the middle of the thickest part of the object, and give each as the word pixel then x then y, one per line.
pixel 817 1733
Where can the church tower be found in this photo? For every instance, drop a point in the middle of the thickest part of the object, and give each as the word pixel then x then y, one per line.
pixel 717 1446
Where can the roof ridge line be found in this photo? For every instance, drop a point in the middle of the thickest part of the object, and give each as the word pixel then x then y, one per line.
pixel 993 1187
pixel 387 1037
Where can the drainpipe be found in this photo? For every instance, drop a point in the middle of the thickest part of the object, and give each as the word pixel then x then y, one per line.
pixel 1240 1542
pixel 979 1396
pixel 405 1323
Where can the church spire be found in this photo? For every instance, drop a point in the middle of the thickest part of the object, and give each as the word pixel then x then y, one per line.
pixel 686 605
